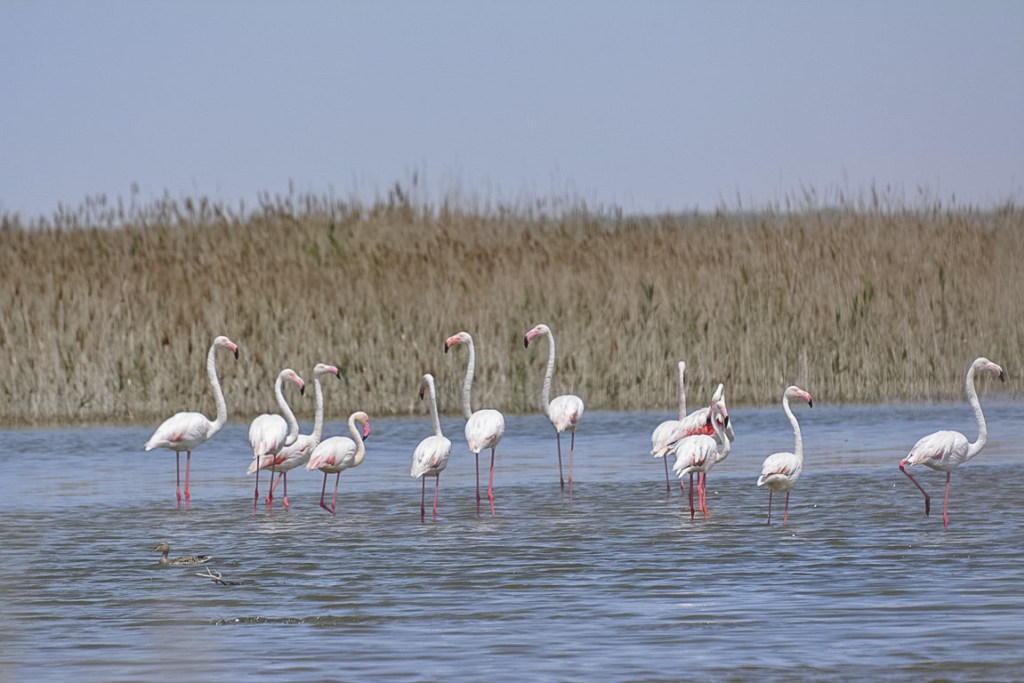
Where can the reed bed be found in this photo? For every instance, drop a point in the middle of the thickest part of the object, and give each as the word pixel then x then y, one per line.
pixel 107 311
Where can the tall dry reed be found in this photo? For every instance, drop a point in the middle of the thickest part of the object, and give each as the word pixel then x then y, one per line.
pixel 106 312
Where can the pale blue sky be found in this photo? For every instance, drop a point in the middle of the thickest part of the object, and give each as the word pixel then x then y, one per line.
pixel 649 106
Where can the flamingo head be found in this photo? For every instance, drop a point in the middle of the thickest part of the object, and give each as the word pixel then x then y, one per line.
pixel 227 344
pixel 986 364
pixel 427 381
pixel 797 392
pixel 460 338
pixel 363 419
pixel 537 330
pixel 324 369
pixel 292 376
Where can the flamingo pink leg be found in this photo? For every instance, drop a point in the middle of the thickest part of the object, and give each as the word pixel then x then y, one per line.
pixel 256 491
pixel 188 467
pixel 490 484
pixel 558 440
pixel 785 514
pixel 177 475
pixel 334 499
pixel 273 471
pixel 284 475
pixel 927 498
pixel 437 485
pixel 702 489
pixel 323 492
pixel 423 499
pixel 668 486
pixel 477 484
pixel 691 496
pixel 572 451
pixel 769 506
pixel 945 505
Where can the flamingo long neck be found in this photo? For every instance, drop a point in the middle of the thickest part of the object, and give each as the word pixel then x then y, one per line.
pixel 682 391
pixel 972 396
pixel 289 416
pixel 318 420
pixel 218 394
pixel 434 419
pixel 545 392
pixel 358 438
pixel 798 439
pixel 467 385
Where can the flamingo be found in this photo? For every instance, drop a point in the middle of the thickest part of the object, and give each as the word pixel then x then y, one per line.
pixel 268 434
pixel 698 453
pixel 165 548
pixel 668 434
pixel 188 431
pixel 340 453
pixel 781 470
pixel 431 455
pixel 947 450
pixel 484 427
pixel 564 411
pixel 296 455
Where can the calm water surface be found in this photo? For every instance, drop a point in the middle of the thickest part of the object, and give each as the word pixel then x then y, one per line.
pixel 617 583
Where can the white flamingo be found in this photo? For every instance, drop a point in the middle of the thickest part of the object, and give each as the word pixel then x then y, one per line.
pixel 188 431
pixel 268 434
pixel 564 411
pixel 297 454
pixel 484 428
pixel 431 455
pixel 947 450
pixel 340 453
pixel 781 470
pixel 698 453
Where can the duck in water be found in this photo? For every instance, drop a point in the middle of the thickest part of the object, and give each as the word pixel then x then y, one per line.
pixel 187 559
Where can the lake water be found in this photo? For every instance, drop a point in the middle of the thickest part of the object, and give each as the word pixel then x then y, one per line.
pixel 616 584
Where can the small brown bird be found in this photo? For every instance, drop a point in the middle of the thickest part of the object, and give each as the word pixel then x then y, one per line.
pixel 187 559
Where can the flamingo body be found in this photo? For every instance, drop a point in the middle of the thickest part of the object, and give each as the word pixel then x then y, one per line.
pixel 698 453
pixel 268 434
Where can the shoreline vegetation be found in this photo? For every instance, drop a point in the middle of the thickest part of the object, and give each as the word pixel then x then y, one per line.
pixel 107 311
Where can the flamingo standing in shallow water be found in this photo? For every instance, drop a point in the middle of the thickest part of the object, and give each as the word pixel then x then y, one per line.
pixel 268 434
pixel 781 470
pixel 698 453
pixel 431 455
pixel 484 427
pixel 340 453
pixel 564 411
pixel 947 450
pixel 187 431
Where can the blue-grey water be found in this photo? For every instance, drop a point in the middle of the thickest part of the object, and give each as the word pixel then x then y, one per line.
pixel 616 584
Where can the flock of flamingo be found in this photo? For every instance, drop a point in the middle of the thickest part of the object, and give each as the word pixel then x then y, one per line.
pixel 698 440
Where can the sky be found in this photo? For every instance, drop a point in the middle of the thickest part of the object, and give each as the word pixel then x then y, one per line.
pixel 646 106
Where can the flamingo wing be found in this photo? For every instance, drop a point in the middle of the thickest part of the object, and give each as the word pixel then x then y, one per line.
pixel 267 434
pixel 181 432
pixel 484 429
pixel 665 437
pixel 431 456
pixel 333 455
pixel 942 450
pixel 780 470
pixel 565 412
pixel 694 453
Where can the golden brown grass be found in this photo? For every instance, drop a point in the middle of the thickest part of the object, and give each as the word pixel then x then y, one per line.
pixel 106 313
